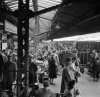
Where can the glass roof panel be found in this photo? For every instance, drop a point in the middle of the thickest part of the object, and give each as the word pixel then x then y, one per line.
pixel 41 3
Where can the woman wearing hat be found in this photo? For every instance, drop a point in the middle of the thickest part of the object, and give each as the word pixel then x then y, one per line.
pixel 67 75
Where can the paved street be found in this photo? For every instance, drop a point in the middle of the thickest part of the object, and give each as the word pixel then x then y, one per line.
pixel 87 86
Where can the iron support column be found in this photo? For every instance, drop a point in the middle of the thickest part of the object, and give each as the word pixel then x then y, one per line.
pixel 23 44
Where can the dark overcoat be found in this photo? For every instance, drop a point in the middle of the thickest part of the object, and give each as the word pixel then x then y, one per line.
pixel 9 73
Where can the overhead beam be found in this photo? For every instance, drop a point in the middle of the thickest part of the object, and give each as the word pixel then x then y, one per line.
pixel 33 14
pixel 45 18
pixel 64 2
pixel 45 10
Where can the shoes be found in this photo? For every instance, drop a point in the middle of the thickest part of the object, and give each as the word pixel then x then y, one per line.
pixel 97 80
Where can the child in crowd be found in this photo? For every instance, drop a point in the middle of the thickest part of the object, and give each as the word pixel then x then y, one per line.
pixel 44 92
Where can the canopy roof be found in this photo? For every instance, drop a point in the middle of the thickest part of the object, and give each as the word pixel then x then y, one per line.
pixel 76 18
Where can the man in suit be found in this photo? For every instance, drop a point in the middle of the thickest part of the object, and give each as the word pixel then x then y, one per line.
pixel 9 73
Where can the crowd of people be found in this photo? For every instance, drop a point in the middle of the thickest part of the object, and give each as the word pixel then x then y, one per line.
pixel 44 68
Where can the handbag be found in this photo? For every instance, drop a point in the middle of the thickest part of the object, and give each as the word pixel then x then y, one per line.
pixel 77 92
